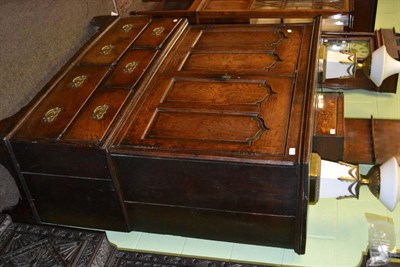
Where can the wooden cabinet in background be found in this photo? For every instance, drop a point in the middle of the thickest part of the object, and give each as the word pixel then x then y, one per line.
pixel 356 15
pixel 328 139
pixel 371 141
pixel 220 11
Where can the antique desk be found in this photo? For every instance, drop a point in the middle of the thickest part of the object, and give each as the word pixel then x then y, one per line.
pixel 161 126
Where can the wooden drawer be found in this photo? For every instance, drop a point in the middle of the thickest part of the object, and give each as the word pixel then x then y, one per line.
pixel 61 159
pixel 110 46
pixel 212 185
pixel 92 123
pixel 55 112
pixel 75 201
pixel 156 33
pixel 254 228
pixel 130 68
pixel 328 139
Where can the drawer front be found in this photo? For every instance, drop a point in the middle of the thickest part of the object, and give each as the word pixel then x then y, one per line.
pixel 156 33
pixel 96 117
pixel 130 68
pixel 208 185
pixel 74 201
pixel 61 159
pixel 250 228
pixel 55 112
pixel 115 41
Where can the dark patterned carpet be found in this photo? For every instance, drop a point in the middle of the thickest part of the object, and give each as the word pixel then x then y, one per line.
pixel 33 245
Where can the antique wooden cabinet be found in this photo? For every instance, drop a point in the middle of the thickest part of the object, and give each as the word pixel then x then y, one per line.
pixel 162 126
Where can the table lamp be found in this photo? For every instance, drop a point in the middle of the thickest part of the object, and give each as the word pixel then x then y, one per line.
pixel 343 180
pixel 382 66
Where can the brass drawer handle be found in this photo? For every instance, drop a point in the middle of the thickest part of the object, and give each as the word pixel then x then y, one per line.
pixel 99 112
pixel 106 49
pixel 51 114
pixel 130 67
pixel 226 77
pixel 78 81
pixel 157 31
pixel 127 27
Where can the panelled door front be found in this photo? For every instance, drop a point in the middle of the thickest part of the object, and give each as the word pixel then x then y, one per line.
pixel 227 91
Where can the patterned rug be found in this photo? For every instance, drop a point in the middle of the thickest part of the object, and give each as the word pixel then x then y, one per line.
pixel 37 245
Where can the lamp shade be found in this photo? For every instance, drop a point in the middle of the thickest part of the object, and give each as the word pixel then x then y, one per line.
pixel 390 183
pixel 342 180
pixel 382 66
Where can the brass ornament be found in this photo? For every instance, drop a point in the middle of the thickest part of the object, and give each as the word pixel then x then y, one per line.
pixel 78 81
pixel 130 67
pixel 105 50
pixel 99 112
pixel 51 114
pixel 157 31
pixel 127 27
pixel 226 77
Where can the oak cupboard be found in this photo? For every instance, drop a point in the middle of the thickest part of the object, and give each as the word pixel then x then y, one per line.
pixel 162 126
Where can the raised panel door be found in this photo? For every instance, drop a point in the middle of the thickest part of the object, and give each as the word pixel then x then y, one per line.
pixel 225 91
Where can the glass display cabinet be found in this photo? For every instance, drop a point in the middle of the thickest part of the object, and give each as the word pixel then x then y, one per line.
pixel 355 15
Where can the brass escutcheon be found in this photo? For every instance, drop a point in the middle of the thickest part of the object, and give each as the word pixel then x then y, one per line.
pixel 157 31
pixel 127 27
pixel 106 49
pixel 226 77
pixel 51 114
pixel 99 112
pixel 130 67
pixel 78 81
